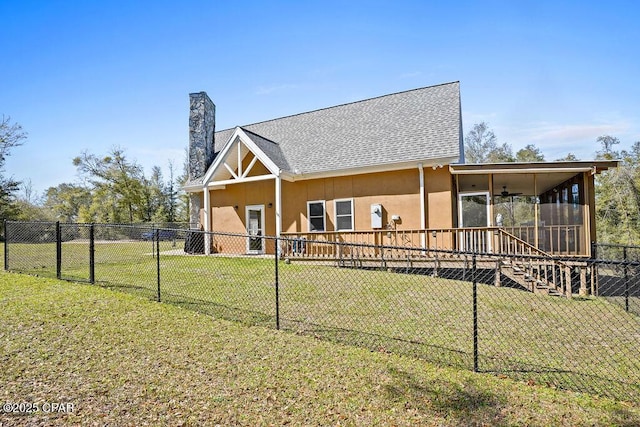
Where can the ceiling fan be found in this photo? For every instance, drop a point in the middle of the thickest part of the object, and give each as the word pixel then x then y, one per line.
pixel 505 193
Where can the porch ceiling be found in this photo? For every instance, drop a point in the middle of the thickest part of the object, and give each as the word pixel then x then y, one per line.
pixel 514 182
pixel 519 177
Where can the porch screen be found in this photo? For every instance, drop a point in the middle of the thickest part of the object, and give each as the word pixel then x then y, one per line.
pixel 474 211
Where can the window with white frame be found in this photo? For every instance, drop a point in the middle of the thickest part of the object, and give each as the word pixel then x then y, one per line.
pixel 344 214
pixel 315 213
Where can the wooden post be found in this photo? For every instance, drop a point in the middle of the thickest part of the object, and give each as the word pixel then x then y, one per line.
pixel 567 281
pixel 583 281
pixel 436 265
pixel 498 279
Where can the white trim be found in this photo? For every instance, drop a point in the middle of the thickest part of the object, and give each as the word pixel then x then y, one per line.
pixel 250 166
pixel 324 216
pixel 262 228
pixel 441 162
pixel 515 171
pixel 423 214
pixel 241 180
pixel 238 137
pixel 207 222
pixel 335 214
pixel 239 159
pixel 233 174
pixel 194 188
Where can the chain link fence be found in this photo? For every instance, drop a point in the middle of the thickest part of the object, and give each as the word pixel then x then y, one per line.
pixel 567 323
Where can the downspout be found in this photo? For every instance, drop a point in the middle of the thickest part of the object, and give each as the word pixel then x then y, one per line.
pixel 423 221
pixel 278 204
pixel 207 221
pixel 278 211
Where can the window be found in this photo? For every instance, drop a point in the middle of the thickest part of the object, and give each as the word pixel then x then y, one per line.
pixel 315 213
pixel 344 214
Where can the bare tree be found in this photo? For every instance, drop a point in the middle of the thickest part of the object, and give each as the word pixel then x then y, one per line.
pixel 11 136
pixel 481 146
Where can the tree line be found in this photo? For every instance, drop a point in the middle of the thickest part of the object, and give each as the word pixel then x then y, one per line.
pixel 112 189
pixel 617 190
pixel 115 189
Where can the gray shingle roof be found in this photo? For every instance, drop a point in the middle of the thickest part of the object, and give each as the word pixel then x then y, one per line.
pixel 419 124
pixel 271 149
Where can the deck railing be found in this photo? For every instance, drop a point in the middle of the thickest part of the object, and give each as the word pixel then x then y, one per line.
pixel 552 240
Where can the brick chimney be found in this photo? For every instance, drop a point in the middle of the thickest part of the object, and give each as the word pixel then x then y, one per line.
pixel 202 127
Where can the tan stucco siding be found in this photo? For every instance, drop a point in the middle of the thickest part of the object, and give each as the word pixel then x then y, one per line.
pixel 226 218
pixel 440 198
pixel 398 192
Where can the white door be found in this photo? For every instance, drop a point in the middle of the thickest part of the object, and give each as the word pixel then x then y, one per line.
pixel 473 213
pixel 255 229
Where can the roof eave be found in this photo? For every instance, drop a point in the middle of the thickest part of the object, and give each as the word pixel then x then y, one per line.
pixel 389 167
pixel 596 166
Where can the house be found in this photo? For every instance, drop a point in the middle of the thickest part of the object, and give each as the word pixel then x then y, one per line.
pixel 388 170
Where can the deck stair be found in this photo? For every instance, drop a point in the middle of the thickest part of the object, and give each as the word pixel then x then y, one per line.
pixel 522 275
pixel 532 268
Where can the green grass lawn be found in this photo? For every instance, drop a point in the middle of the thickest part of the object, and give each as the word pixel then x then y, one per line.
pixel 583 344
pixel 124 360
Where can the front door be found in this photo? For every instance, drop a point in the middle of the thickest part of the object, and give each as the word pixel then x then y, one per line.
pixel 255 229
pixel 473 211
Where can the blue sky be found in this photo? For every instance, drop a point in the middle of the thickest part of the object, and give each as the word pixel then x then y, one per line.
pixel 88 75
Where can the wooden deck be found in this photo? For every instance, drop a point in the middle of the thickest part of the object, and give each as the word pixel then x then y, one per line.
pixel 512 258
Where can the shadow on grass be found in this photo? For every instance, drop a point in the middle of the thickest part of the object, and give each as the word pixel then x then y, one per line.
pixel 217 310
pixel 464 403
pixel 562 379
pixel 141 291
pixel 437 354
pixel 460 403
pixel 382 343
pixel 222 311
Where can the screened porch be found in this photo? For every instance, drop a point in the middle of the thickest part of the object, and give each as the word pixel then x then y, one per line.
pixel 550 206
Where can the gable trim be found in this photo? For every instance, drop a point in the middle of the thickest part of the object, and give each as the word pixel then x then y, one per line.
pixel 238 137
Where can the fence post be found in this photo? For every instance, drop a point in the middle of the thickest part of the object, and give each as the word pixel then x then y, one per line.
pixel 92 255
pixel 6 246
pixel 475 313
pixel 277 280
pixel 58 251
pixel 157 239
pixel 626 280
pixel 154 232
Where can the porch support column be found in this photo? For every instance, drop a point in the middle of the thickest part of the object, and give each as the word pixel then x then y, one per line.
pixel 536 214
pixel 492 218
pixel 588 209
pixel 423 215
pixel 207 221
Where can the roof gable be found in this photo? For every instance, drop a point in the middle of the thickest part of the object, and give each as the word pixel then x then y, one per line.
pixel 228 162
pixel 416 125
